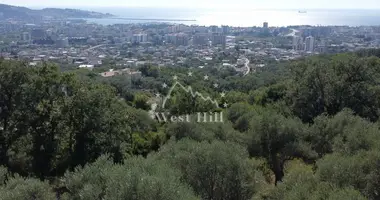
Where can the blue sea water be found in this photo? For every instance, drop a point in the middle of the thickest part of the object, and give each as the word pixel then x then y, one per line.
pixel 242 17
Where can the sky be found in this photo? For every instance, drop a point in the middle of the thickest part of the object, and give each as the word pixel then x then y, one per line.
pixel 254 4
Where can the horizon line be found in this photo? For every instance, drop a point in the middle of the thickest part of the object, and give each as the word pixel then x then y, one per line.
pixel 174 7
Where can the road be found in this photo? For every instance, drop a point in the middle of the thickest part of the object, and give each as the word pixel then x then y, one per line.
pixel 94 47
pixel 246 65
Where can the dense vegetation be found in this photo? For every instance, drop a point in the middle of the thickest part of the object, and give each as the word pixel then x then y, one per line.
pixel 305 129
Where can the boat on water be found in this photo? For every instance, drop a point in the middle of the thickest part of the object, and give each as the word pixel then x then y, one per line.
pixel 302 11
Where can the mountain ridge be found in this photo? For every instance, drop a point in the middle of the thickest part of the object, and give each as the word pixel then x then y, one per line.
pixel 27 14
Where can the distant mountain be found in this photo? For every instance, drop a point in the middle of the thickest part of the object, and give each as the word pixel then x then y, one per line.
pixel 22 13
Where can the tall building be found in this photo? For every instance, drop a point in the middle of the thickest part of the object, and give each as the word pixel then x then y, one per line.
pixel 225 29
pixel 214 29
pixel 321 46
pixel 170 38
pixel 176 28
pixel 199 29
pixel 139 38
pixel 200 39
pixel 297 43
pixel 309 44
pixel 179 39
pixel 11 27
pixel 265 25
pixel 26 37
pixel 38 34
pixel 219 39
pixel 157 40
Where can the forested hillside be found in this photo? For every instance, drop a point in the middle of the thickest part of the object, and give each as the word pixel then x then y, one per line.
pixel 305 129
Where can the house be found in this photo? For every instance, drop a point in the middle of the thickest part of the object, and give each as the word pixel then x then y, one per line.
pixel 110 73
pixel 86 66
pixel 125 71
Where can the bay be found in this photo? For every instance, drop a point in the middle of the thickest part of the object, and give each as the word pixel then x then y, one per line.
pixel 240 17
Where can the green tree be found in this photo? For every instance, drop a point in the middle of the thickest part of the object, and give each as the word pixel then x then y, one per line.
pixel 18 188
pixel 301 183
pixel 52 120
pixel 141 101
pixel 328 85
pixel 343 133
pixel 278 139
pixel 216 170
pixel 137 179
pixel 14 77
pixel 360 171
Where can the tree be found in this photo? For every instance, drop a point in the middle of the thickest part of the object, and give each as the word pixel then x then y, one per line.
pixel 301 183
pixel 13 79
pixel 360 171
pixel 344 132
pixel 216 170
pixel 52 120
pixel 188 130
pixel 99 124
pixel 18 188
pixel 122 84
pixel 268 95
pixel 137 179
pixel 3 175
pixel 150 71
pixel 141 101
pixel 322 85
pixel 238 110
pixel 278 139
pixel 205 132
pixel 236 97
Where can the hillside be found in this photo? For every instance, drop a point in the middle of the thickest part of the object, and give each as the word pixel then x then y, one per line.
pixel 302 129
pixel 23 13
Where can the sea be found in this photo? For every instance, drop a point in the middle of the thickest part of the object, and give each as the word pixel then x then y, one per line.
pixel 239 17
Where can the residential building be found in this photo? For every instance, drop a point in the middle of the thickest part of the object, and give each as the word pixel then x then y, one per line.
pixel 265 25
pixel 181 39
pixel 38 34
pixel 26 37
pixel 140 38
pixel 214 29
pixel 309 44
pixel 200 39
pixel 225 30
pixel 219 39
pixel 297 43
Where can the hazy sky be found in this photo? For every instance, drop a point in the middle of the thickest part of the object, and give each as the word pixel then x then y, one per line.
pixel 255 4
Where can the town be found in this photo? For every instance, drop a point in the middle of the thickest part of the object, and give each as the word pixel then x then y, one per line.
pixel 75 43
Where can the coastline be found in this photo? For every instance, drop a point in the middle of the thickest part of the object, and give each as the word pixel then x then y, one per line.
pixel 276 18
pixel 151 19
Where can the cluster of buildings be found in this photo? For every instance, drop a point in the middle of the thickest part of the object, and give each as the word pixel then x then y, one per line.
pixel 125 71
pixel 40 36
pixel 77 43
pixel 183 39
pixel 307 44
pixel 139 38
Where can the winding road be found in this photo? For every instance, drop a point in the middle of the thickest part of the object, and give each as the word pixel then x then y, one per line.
pixel 94 47
pixel 246 65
